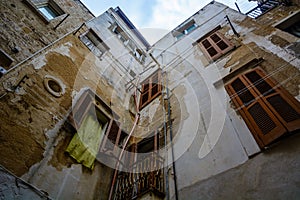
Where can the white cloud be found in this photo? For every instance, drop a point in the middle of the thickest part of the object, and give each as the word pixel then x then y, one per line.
pixel 167 14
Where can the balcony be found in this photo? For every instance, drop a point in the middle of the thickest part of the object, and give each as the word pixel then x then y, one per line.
pixel 147 175
pixel 262 8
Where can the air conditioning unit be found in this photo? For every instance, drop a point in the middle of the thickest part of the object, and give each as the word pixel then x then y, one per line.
pixel 2 71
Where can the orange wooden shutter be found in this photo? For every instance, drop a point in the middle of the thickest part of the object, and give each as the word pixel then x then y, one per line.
pixel 80 109
pixel 281 103
pixel 259 118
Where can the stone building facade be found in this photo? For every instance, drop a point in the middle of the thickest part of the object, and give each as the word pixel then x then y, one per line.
pixel 27 26
pixel 210 111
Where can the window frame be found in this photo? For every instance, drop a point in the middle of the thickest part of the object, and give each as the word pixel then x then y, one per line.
pixel 48 11
pixel 120 33
pixel 91 43
pixel 185 29
pixel 54 7
pixel 85 103
pixel 263 100
pixel 213 44
pixel 147 87
pixel 286 24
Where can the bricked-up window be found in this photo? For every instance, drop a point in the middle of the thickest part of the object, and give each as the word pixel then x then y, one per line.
pixel 94 43
pixel 5 60
pixel 90 104
pixel 151 88
pixel 268 109
pixel 215 45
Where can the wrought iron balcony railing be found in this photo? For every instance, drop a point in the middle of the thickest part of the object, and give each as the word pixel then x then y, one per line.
pixel 147 175
pixel 262 8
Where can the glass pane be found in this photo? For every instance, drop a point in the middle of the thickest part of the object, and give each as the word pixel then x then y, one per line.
pixel 242 91
pixel 294 29
pixel 145 97
pixel 189 29
pixel 206 43
pixel 222 45
pixel 154 89
pixel 48 12
pixel 212 52
pixel 180 35
pixel 145 88
pixel 215 38
pixel 113 132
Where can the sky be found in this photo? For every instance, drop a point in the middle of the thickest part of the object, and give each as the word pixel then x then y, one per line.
pixel 155 18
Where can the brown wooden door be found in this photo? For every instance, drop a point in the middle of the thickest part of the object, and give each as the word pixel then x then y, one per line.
pixel 268 110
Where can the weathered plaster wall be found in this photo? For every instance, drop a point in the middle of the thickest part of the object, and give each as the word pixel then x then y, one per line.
pixel 12 187
pixel 272 174
pixel 210 138
pixel 36 131
pixel 119 59
pixel 221 140
pixel 23 28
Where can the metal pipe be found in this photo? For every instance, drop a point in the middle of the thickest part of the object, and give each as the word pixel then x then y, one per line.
pixel 166 148
pixel 237 6
pixel 61 21
pixel 39 51
pixel 123 148
pixel 171 140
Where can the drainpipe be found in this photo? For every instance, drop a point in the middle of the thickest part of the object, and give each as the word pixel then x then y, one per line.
pixel 165 143
pixel 137 115
pixel 171 132
pixel 171 140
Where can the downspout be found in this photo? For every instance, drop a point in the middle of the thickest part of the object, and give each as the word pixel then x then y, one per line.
pixel 137 115
pixel 165 143
pixel 171 140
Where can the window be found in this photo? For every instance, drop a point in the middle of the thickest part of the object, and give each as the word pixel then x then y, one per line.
pixel 215 45
pixel 151 88
pixel 120 34
pixel 268 110
pixel 47 9
pixel 138 53
pixel 5 60
pixel 48 12
pixel 291 25
pixel 185 29
pixel 97 131
pixel 94 43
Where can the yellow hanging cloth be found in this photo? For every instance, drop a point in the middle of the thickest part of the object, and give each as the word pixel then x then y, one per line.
pixel 84 146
